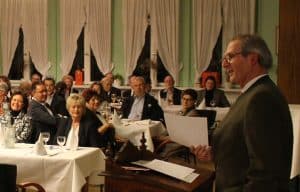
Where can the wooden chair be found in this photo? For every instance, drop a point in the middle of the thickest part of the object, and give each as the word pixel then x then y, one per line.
pixel 8 177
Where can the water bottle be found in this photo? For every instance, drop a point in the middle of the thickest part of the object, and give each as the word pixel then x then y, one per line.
pixel 10 132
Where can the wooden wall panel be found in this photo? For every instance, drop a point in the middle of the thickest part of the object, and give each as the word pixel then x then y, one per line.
pixel 289 50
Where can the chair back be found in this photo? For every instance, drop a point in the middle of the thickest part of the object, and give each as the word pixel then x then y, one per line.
pixel 209 114
pixel 8 177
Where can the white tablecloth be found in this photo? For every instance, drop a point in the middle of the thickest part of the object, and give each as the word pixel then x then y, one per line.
pixel 133 130
pixel 65 171
pixel 295 112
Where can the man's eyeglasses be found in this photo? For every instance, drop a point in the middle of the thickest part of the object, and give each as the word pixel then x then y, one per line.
pixel 229 57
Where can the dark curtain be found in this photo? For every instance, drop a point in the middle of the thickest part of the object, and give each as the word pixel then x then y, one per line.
pixel 162 72
pixel 143 63
pixel 215 65
pixel 78 62
pixel 17 67
pixel 96 74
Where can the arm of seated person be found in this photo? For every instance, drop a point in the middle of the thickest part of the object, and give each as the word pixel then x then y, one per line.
pixel 102 129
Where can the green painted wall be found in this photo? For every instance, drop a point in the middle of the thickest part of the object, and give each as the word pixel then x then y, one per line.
pixel 267 20
pixel 117 37
pixel 53 33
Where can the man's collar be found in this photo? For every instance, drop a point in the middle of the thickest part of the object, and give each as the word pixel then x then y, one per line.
pixel 251 82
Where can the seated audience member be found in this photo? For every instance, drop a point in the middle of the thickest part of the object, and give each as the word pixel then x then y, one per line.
pixel 3 97
pixel 78 125
pixel 93 102
pixel 68 80
pixel 110 76
pixel 212 96
pixel 19 119
pixel 188 101
pixel 170 93
pixel 108 90
pixel 35 78
pixel 25 88
pixel 55 100
pixel 6 80
pixel 60 88
pixel 128 93
pixel 43 119
pixel 96 86
pixel 141 105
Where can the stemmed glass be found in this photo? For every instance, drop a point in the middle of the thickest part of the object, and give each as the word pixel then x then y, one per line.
pixel 113 98
pixel 61 140
pixel 45 137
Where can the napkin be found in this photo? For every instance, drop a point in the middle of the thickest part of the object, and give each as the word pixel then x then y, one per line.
pixel 201 105
pixel 116 119
pixel 39 147
pixel 72 142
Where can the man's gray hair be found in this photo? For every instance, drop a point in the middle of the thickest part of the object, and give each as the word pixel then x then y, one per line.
pixel 255 44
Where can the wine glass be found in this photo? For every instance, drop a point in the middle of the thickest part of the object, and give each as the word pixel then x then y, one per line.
pixel 61 140
pixel 113 98
pixel 45 137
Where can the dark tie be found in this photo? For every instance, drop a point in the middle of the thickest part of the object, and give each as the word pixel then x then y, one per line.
pixel 48 108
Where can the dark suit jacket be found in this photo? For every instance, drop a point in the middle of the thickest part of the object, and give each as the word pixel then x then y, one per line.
pixel 151 109
pixel 58 105
pixel 88 135
pixel 219 97
pixel 42 121
pixel 106 96
pixel 253 144
pixel 176 95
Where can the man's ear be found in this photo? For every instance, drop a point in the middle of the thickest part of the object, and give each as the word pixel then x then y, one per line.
pixel 254 58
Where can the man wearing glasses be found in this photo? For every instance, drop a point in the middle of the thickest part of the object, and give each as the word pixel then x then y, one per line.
pixel 252 147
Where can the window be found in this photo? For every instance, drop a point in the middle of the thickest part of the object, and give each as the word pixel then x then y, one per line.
pixel 21 59
pixel 215 65
pixel 144 62
pixel 80 63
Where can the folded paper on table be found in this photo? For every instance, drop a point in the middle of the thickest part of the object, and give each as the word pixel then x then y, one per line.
pixel 39 147
pixel 187 131
pixel 174 170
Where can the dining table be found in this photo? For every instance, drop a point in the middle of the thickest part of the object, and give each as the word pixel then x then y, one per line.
pixel 58 170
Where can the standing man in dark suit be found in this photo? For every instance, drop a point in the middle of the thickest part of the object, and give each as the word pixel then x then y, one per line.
pixel 170 94
pixel 141 105
pixel 252 147
pixel 43 119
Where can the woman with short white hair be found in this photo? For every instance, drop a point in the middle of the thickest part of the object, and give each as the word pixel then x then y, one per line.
pixel 78 125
